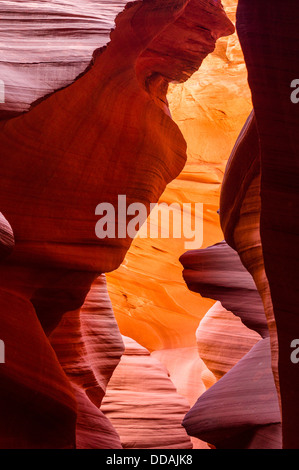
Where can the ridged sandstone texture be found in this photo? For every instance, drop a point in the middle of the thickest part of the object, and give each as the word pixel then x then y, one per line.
pixel 49 51
pixel 71 160
pixel 223 340
pixel 217 272
pixel 187 371
pixel 143 404
pixel 189 374
pixel 88 345
pixel 242 409
pixel 107 133
pixel 148 294
pixel 7 239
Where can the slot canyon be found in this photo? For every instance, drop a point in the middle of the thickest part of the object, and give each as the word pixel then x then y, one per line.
pixel 143 343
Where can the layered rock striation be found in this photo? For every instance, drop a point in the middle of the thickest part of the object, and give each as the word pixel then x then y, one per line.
pixel 143 404
pixel 89 346
pixel 242 409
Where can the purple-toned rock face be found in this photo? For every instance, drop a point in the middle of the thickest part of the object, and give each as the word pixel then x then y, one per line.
pixel 222 340
pixel 241 410
pixel 49 51
pixel 217 272
pixel 88 362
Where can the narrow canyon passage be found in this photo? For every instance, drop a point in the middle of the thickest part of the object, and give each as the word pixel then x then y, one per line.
pixel 115 343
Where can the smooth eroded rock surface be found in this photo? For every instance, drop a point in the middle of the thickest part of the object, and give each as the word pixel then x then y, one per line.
pixel 223 340
pixel 143 404
pixel 240 404
pixel 89 346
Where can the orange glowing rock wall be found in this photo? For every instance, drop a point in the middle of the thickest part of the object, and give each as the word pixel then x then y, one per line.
pixel 149 296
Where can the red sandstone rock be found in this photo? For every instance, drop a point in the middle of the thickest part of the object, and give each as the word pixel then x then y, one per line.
pixel 38 407
pixel 89 346
pixel 149 296
pixel 93 429
pixel 240 215
pixel 71 161
pixel 49 51
pixel 189 375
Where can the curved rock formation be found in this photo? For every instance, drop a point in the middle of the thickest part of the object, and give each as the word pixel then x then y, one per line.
pixel 7 239
pixel 269 59
pixel 49 51
pixel 189 375
pixel 88 345
pixel 148 294
pixel 241 410
pixel 38 408
pixel 240 215
pixel 108 133
pixel 71 161
pixel 217 272
pixel 143 404
pixel 186 370
pixel 147 291
pixel 223 340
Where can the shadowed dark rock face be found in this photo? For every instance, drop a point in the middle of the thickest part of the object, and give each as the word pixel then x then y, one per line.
pixel 269 36
pixel 242 168
pixel 108 133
